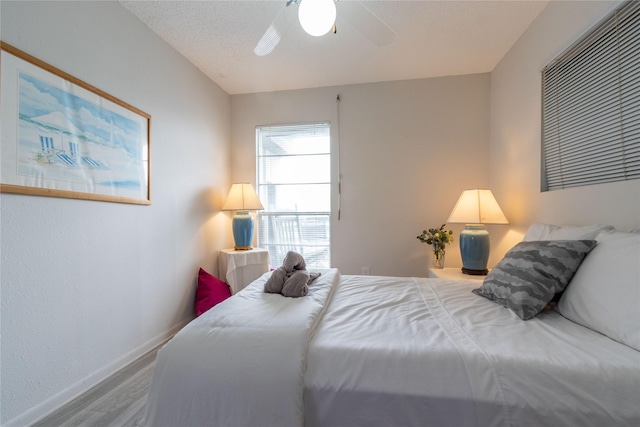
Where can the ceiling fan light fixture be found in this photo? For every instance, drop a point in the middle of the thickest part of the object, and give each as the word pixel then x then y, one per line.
pixel 317 16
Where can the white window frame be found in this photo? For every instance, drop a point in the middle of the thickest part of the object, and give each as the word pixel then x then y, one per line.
pixel 296 229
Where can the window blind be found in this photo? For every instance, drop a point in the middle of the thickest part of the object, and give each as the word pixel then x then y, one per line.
pixel 591 106
pixel 294 185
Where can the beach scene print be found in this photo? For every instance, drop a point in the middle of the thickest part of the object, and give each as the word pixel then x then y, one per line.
pixel 65 138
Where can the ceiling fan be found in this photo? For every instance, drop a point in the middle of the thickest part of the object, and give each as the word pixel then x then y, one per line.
pixel 317 17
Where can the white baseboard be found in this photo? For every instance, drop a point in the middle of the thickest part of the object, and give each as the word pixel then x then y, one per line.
pixel 60 399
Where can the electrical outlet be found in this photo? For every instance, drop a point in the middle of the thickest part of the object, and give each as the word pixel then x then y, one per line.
pixel 365 271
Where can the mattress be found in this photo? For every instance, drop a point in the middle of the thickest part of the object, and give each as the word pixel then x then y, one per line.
pixel 381 351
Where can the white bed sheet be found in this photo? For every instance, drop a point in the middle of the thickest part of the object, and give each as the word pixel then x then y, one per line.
pixel 405 351
pixel 387 351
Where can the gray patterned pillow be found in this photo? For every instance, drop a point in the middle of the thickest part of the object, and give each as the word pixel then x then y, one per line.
pixel 531 273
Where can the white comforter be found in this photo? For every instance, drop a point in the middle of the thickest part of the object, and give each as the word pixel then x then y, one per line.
pixel 391 352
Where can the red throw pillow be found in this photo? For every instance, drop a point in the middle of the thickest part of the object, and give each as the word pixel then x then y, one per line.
pixel 210 291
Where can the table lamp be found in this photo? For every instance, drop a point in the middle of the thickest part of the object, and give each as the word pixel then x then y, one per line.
pixel 242 198
pixel 474 209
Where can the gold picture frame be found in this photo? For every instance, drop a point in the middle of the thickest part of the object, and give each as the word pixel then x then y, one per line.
pixel 62 137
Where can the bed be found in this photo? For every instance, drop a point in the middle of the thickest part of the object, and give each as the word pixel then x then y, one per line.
pixel 406 351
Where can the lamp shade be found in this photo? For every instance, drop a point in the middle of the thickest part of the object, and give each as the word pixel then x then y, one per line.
pixel 317 16
pixel 477 206
pixel 242 197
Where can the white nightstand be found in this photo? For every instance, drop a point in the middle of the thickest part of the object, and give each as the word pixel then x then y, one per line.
pixel 239 268
pixel 452 273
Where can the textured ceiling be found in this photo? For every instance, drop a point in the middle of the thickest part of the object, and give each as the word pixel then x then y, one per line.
pixel 433 38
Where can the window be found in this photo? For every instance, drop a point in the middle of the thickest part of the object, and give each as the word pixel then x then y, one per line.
pixel 591 106
pixel 294 185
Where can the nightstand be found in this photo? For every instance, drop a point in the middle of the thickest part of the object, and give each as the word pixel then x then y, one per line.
pixel 452 273
pixel 239 268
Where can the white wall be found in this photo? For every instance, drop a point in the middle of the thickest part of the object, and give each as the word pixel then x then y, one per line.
pixel 408 149
pixel 88 286
pixel 516 125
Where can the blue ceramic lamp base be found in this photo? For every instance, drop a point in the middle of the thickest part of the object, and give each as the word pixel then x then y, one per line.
pixel 474 249
pixel 242 230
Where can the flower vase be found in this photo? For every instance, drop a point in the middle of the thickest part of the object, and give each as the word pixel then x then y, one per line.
pixel 438 255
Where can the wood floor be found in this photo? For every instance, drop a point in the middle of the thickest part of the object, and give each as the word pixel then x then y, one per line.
pixel 118 401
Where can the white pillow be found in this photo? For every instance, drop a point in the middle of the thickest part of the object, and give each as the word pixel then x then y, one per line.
pixel 556 232
pixel 604 294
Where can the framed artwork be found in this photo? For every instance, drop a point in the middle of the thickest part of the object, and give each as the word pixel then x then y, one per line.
pixel 62 137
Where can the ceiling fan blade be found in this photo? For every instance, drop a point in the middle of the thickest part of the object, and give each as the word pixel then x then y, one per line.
pixel 276 31
pixel 268 41
pixel 365 21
